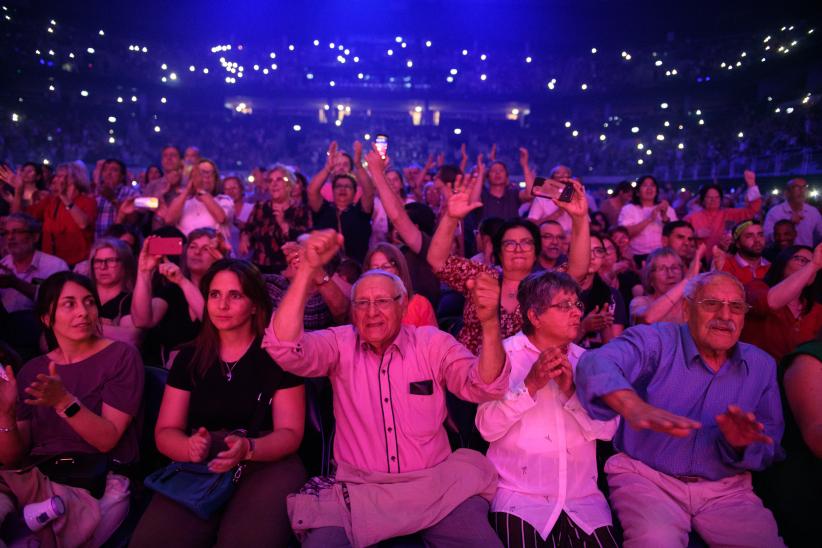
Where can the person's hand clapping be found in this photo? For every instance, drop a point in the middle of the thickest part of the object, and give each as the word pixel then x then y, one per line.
pixel 48 390
pixel 331 156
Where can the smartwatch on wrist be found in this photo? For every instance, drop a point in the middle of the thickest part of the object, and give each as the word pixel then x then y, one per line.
pixel 70 410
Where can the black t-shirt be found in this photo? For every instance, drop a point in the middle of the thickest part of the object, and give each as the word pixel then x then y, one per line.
pixel 353 222
pixel 245 402
pixel 601 295
pixel 175 329
pixel 422 276
pixel 117 307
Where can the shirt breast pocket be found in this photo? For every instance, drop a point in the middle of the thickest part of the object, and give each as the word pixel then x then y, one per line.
pixel 425 409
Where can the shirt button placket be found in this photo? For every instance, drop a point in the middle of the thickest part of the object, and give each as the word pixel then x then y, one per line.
pixel 389 421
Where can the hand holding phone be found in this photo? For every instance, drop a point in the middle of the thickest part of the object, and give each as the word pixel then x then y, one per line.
pixel 165 246
pixel 550 188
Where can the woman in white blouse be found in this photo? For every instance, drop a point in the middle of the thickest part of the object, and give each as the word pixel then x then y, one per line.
pixel 644 218
pixel 543 443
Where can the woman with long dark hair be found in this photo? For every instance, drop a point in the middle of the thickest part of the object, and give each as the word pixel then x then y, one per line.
pixel 227 403
pixel 644 216
pixel 785 309
pixel 77 400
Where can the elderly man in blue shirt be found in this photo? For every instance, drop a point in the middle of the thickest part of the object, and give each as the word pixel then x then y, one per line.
pixel 700 411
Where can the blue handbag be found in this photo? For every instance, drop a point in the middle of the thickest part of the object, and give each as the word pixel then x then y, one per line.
pixel 194 486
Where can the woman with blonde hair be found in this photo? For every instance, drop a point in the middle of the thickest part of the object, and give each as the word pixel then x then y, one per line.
pixel 273 223
pixel 113 270
pixel 389 258
pixel 67 215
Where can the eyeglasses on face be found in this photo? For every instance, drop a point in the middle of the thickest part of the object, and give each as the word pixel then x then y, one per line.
pixel 513 245
pixel 672 269
pixel 108 262
pixel 802 260
pixel 715 305
pixel 382 303
pixel 598 251
pixel 567 306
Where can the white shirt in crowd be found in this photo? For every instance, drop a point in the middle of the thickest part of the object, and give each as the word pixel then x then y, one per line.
pixel 42 266
pixel 542 207
pixel 650 236
pixel 544 448
pixel 809 229
pixel 196 215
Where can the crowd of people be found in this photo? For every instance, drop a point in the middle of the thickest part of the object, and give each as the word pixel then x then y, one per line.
pixel 532 336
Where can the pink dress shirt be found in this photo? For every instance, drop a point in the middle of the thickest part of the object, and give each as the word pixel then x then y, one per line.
pixel 544 448
pixel 389 409
pixel 711 225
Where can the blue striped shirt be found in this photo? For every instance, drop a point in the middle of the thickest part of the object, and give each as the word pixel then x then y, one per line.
pixel 661 363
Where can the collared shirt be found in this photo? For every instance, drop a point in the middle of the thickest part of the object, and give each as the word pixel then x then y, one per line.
pixel 42 266
pixel 744 271
pixel 505 206
pixel 107 211
pixel 196 215
pixel 390 409
pixel 661 363
pixel 808 230
pixel 544 448
pixel 542 207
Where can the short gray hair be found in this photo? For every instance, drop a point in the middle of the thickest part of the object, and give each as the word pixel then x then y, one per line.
pixel 695 285
pixel 398 283
pixel 650 264
pixel 536 291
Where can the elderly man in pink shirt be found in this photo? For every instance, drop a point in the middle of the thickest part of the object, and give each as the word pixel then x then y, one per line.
pixel 396 473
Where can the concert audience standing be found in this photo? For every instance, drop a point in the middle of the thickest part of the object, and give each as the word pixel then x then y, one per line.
pixel 68 214
pixel 805 217
pixel 274 222
pixel 784 236
pixel 111 189
pixel 389 258
pixel 542 440
pixel 644 217
pixel 349 218
pixel 199 205
pixel 227 403
pixel 709 412
pixel 713 220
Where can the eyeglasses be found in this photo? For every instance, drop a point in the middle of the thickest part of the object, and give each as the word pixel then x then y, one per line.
pixel 599 251
pixel 715 305
pixel 381 303
pixel 109 262
pixel 513 245
pixel 551 238
pixel 800 259
pixel 14 232
pixel 567 306
pixel 673 269
pixel 390 265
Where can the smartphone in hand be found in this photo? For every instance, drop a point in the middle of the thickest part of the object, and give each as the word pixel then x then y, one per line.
pixel 165 246
pixel 549 188
pixel 381 142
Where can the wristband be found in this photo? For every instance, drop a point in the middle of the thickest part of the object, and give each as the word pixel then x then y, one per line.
pixel 70 410
pixel 251 446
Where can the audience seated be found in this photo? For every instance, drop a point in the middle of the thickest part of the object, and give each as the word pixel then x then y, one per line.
pixel 700 411
pixel 66 420
pixel 228 404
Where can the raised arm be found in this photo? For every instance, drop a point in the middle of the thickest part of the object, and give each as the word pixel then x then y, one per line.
pixel 526 195
pixel 791 287
pixel 315 198
pixel 660 307
pixel 392 202
pixel 803 386
pixel 485 292
pixel 459 205
pixel 363 180
pixel 175 208
pixel 579 252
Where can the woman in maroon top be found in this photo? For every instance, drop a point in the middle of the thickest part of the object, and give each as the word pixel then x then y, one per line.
pixel 67 215
pixel 785 312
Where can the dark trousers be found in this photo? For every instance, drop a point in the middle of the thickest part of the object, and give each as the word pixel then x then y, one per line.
pixel 256 515
pixel 516 533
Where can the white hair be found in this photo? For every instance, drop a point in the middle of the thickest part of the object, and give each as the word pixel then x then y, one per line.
pixel 694 286
pixel 398 284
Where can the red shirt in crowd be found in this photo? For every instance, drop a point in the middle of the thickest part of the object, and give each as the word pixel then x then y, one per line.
pixel 777 332
pixel 62 236
pixel 743 271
